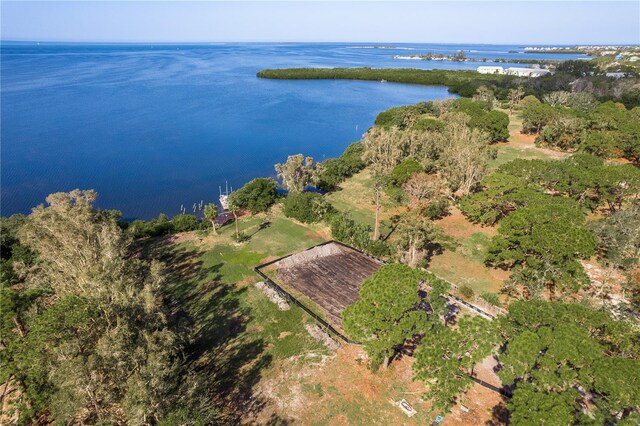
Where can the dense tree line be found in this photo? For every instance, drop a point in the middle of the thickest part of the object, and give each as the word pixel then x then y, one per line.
pixel 540 207
pixel 86 336
pixel 464 83
pixel 572 76
pixel 607 130
pixel 424 116
pixel 569 364
pixel 331 172
pixel 162 225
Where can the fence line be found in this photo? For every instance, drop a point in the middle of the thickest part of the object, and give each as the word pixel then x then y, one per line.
pixel 330 328
pixel 476 301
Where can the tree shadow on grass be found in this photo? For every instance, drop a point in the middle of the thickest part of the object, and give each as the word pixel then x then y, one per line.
pixel 210 312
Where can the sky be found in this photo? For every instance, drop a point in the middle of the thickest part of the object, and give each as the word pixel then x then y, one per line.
pixel 506 22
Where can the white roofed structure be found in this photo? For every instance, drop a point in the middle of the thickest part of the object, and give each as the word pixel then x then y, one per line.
pixel 490 70
pixel 527 72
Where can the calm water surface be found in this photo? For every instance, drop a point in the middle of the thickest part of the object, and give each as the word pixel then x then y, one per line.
pixel 151 127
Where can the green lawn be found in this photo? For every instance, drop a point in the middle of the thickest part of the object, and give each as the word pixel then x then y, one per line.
pixel 356 197
pixel 508 153
pixel 236 332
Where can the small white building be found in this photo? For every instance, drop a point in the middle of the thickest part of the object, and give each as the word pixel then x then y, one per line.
pixel 490 70
pixel 634 59
pixel 527 72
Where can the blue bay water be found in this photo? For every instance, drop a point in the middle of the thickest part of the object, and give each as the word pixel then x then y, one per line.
pixel 152 127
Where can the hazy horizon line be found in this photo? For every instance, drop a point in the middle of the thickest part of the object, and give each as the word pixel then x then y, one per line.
pixel 374 43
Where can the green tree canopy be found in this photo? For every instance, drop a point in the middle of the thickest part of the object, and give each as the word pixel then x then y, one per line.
pixel 307 207
pixel 403 171
pixel 99 348
pixel 331 172
pixel 384 316
pixel 501 195
pixel 536 116
pixel 544 242
pixel 446 356
pixel 560 355
pixel 256 196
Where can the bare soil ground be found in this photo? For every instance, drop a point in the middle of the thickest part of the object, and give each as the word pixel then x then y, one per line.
pixel 340 390
pixel 456 225
pixel 483 405
pixel 465 265
pixel 527 142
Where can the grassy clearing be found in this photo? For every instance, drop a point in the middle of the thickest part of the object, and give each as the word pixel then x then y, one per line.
pixel 520 146
pixel 356 197
pixel 237 333
pixel 460 270
pixel 475 247
pixel 507 152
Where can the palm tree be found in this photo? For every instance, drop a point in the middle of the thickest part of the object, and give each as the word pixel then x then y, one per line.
pixel 211 213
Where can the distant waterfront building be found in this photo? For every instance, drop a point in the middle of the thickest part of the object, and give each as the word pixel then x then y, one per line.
pixel 490 70
pixel 526 72
pixel 615 74
pixel 520 72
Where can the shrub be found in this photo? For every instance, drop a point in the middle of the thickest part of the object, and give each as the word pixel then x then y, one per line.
pixel 396 194
pixel 185 222
pixel 242 237
pixel 437 209
pixel 333 171
pixel 152 228
pixel 491 298
pixel 402 116
pixel 528 101
pixel 307 207
pixel 378 248
pixel 536 116
pixel 495 123
pixel 403 171
pixel 466 292
pixel 602 144
pixel 256 196
pixel 565 133
pixel 428 124
pixel 345 229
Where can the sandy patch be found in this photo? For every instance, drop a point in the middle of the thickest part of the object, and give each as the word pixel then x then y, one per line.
pixel 527 142
pixel 480 402
pixel 458 226
pixel 340 390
